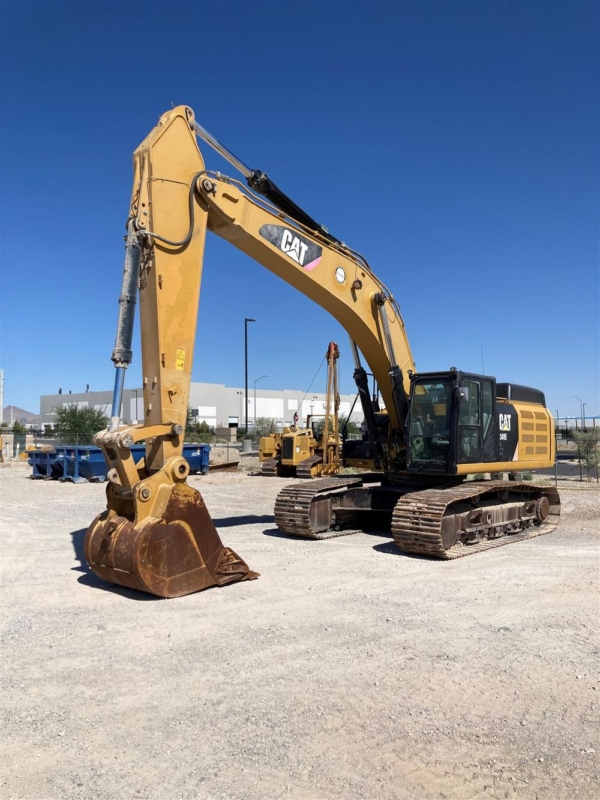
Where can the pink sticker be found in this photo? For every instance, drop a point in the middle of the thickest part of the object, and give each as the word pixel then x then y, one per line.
pixel 312 264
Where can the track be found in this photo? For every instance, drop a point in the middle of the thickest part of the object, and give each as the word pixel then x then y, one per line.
pixel 272 467
pixel 444 522
pixel 304 468
pixel 269 467
pixel 421 523
pixel 305 510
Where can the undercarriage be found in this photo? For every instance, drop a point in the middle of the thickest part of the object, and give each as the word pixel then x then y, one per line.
pixel 311 467
pixel 446 521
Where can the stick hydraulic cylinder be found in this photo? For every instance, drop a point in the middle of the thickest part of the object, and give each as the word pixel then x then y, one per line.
pixel 122 352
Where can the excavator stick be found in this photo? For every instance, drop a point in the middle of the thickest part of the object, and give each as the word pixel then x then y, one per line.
pixel 156 534
pixel 169 556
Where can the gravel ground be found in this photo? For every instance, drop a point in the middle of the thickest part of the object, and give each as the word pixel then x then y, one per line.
pixel 346 671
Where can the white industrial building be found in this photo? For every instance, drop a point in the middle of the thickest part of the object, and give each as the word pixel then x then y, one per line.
pixel 214 403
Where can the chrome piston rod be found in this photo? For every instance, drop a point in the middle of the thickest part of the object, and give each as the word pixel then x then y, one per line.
pixel 122 352
pixel 222 150
pixel 261 183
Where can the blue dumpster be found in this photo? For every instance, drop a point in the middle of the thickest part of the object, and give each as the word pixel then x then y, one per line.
pixel 44 464
pixel 77 463
pixel 81 463
pixel 197 456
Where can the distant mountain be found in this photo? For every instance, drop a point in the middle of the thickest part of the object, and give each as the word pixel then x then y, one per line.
pixel 16 414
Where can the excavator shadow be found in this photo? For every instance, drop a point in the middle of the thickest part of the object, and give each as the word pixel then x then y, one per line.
pixel 88 578
pixel 281 535
pixel 392 549
pixel 245 519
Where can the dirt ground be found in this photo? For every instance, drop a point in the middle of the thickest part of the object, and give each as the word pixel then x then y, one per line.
pixel 346 671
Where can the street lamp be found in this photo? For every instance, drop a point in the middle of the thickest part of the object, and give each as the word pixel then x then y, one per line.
pixel 246 321
pixel 256 380
pixel 582 405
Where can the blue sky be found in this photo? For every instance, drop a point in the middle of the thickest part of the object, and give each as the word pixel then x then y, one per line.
pixel 455 144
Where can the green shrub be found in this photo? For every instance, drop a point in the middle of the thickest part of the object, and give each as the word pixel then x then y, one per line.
pixel 76 425
pixel 588 448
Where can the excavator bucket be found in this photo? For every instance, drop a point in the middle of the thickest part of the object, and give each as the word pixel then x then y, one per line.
pixel 171 556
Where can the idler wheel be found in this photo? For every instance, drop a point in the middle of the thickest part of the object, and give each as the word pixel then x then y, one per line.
pixel 542 508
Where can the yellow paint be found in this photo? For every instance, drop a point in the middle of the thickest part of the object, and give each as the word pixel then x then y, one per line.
pixel 180 360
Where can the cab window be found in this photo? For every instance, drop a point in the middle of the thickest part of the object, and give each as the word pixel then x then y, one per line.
pixel 469 403
pixel 429 429
pixel 469 422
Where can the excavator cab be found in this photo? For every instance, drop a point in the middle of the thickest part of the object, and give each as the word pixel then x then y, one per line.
pixel 450 421
pixel 429 422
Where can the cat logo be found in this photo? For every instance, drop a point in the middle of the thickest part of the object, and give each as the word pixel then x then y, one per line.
pixel 505 422
pixel 298 248
pixel 294 247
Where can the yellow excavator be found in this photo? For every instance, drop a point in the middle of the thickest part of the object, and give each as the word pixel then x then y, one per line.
pixel 439 427
pixel 304 452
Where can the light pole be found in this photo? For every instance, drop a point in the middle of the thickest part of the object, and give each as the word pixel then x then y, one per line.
pixel 246 321
pixel 583 418
pixel 256 380
pixel 582 406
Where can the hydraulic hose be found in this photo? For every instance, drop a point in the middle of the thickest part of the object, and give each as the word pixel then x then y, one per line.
pixel 186 240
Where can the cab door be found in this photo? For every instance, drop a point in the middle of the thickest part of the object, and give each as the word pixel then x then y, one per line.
pixel 469 437
pixel 475 437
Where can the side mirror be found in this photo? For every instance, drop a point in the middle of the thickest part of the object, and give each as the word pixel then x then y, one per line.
pixel 464 394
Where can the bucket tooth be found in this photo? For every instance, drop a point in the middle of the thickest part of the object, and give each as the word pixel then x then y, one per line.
pixel 171 556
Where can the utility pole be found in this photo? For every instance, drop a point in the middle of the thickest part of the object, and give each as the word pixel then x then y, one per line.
pixel 246 321
pixel 582 406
